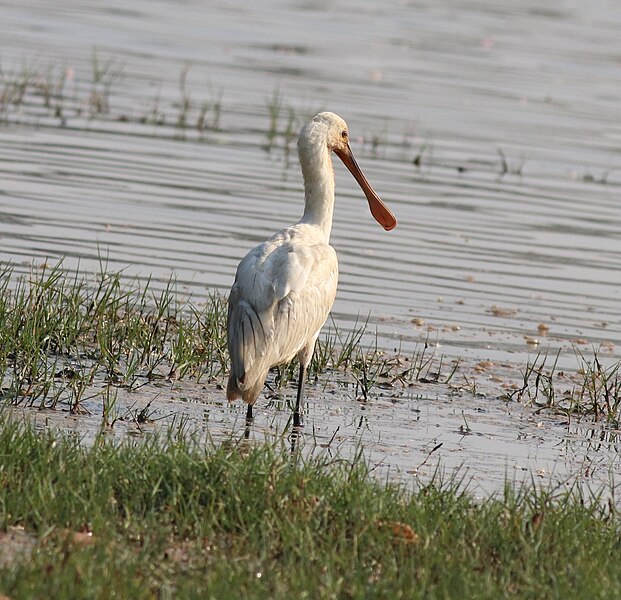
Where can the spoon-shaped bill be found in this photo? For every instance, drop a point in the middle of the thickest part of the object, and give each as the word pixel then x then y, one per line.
pixel 379 210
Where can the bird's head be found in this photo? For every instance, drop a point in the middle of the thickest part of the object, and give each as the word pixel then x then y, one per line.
pixel 336 134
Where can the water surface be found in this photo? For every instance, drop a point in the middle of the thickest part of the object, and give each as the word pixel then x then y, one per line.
pixel 491 129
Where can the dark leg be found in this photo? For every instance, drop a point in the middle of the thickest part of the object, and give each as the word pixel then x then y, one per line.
pixel 249 420
pixel 297 419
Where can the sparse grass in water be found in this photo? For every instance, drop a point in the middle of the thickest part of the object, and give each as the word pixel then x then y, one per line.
pixel 185 102
pixel 104 75
pixel 593 391
pixel 369 366
pixel 289 131
pixel 212 107
pixel 168 517
pixel 62 336
pixel 14 87
pixel 23 91
pixel 274 106
pixel 376 141
pixel 426 148
pixel 505 168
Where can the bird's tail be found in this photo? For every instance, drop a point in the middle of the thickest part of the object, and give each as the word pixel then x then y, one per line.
pixel 233 391
pixel 246 344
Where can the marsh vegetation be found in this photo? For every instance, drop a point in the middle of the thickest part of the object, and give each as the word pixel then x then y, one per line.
pixel 67 337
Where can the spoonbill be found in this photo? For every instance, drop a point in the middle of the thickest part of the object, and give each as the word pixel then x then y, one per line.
pixel 285 287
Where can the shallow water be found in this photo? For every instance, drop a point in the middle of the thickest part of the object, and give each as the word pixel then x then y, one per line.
pixel 492 131
pixel 407 435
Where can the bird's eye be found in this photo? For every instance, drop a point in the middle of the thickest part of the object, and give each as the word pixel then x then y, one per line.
pixel 344 134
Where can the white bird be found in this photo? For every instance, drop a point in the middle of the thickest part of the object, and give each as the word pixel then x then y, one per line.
pixel 285 287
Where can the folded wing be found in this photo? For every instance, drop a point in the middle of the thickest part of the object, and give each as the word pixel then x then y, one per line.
pixel 281 297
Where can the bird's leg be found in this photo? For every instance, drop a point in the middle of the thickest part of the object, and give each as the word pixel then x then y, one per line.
pixel 297 419
pixel 294 440
pixel 249 420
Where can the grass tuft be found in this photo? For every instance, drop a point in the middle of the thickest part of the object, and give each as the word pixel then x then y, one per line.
pixel 59 334
pixel 593 391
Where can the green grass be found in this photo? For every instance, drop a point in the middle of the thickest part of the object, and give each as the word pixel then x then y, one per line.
pixel 169 518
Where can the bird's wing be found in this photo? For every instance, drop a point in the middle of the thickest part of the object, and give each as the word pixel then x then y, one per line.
pixel 281 292
pixel 306 298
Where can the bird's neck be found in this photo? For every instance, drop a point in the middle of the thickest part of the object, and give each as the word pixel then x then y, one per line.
pixel 318 175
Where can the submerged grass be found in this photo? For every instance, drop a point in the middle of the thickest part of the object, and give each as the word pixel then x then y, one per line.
pixel 165 517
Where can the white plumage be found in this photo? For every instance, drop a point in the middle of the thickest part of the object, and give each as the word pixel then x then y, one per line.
pixel 284 288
